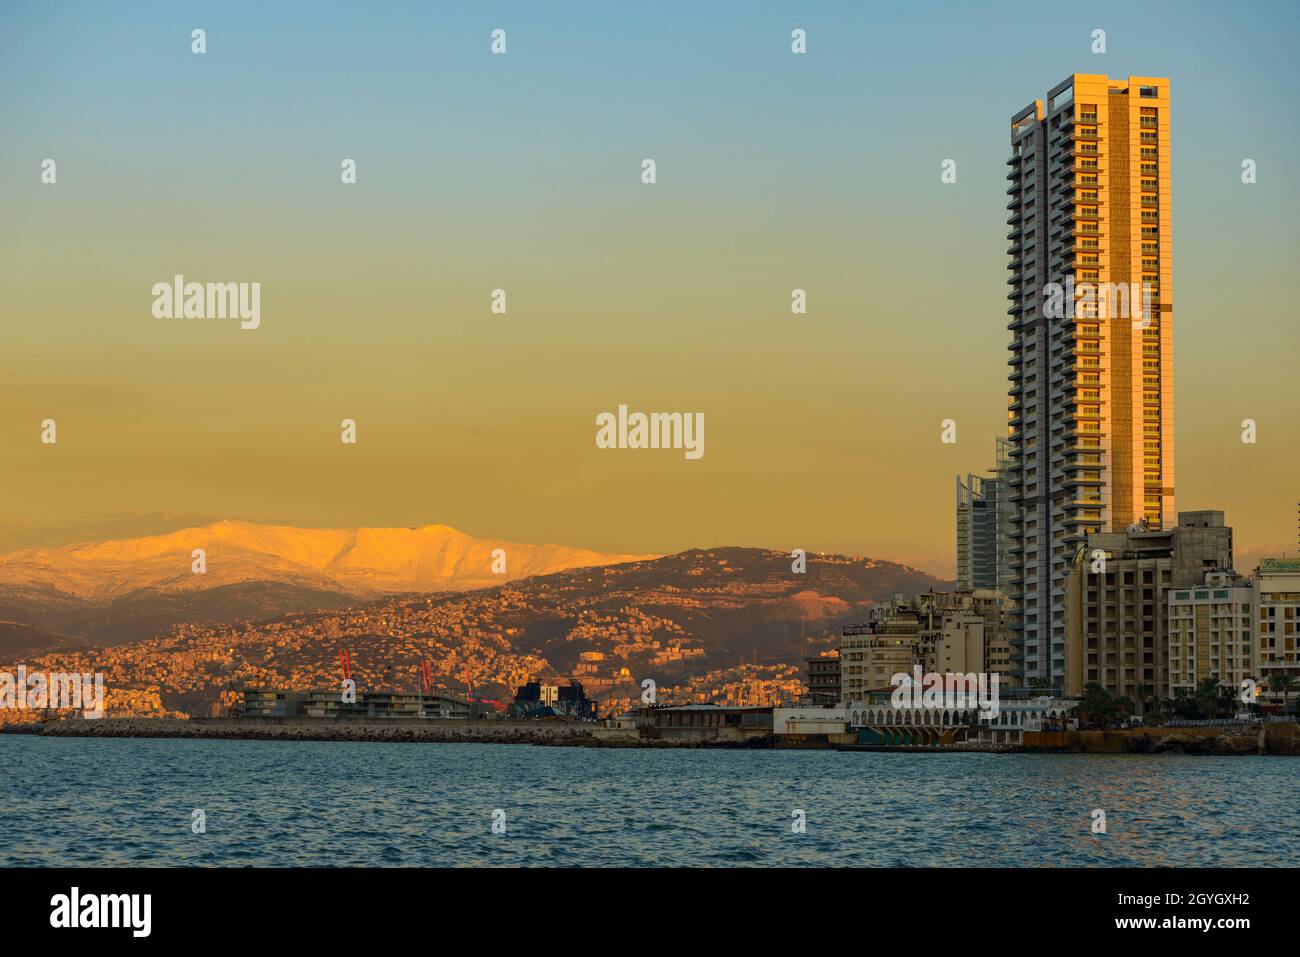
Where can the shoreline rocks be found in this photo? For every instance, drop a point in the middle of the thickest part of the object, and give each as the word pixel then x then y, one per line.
pixel 1273 739
pixel 1279 738
pixel 440 732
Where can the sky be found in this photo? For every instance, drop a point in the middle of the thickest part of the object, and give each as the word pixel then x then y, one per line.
pixel 522 172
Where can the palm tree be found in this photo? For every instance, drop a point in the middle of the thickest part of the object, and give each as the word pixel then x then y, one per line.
pixel 1282 682
pixel 1122 709
pixel 1144 694
pixel 1207 697
pixel 1098 706
pixel 1227 703
pixel 1183 703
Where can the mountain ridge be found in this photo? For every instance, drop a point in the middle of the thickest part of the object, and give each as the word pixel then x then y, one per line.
pixel 118 590
pixel 365 562
pixel 124 590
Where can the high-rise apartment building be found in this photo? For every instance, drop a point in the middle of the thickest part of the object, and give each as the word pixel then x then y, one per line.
pixel 1091 426
pixel 984 527
pixel 977 514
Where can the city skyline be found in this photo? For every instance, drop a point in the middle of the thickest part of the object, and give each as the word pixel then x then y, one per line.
pixel 522 437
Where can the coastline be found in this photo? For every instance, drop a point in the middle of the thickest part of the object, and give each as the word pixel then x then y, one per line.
pixel 558 734
pixel 1263 739
pixel 1269 739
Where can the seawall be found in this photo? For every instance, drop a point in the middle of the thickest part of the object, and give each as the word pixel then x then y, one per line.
pixel 446 731
pixel 1280 738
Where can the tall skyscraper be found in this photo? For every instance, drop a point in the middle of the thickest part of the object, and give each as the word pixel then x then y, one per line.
pixel 983 526
pixel 977 510
pixel 1091 425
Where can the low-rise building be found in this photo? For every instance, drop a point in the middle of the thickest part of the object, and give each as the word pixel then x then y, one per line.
pixel 1277 621
pixel 368 706
pixel 1211 633
pixel 958 631
pixel 871 654
pixel 878 722
pixel 823 679
pixel 972 633
pixel 809 721
pixel 268 703
pixel 1117 600
pixel 704 723
pixel 709 716
pixel 539 700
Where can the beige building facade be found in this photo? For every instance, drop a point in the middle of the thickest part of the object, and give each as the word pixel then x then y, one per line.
pixel 870 656
pixel 1117 600
pixel 961 631
pixel 1211 633
pixel 1277 620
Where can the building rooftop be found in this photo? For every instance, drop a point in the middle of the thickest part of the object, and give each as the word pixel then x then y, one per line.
pixel 714 707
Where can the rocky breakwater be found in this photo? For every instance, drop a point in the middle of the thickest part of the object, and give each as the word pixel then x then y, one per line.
pixel 559 734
